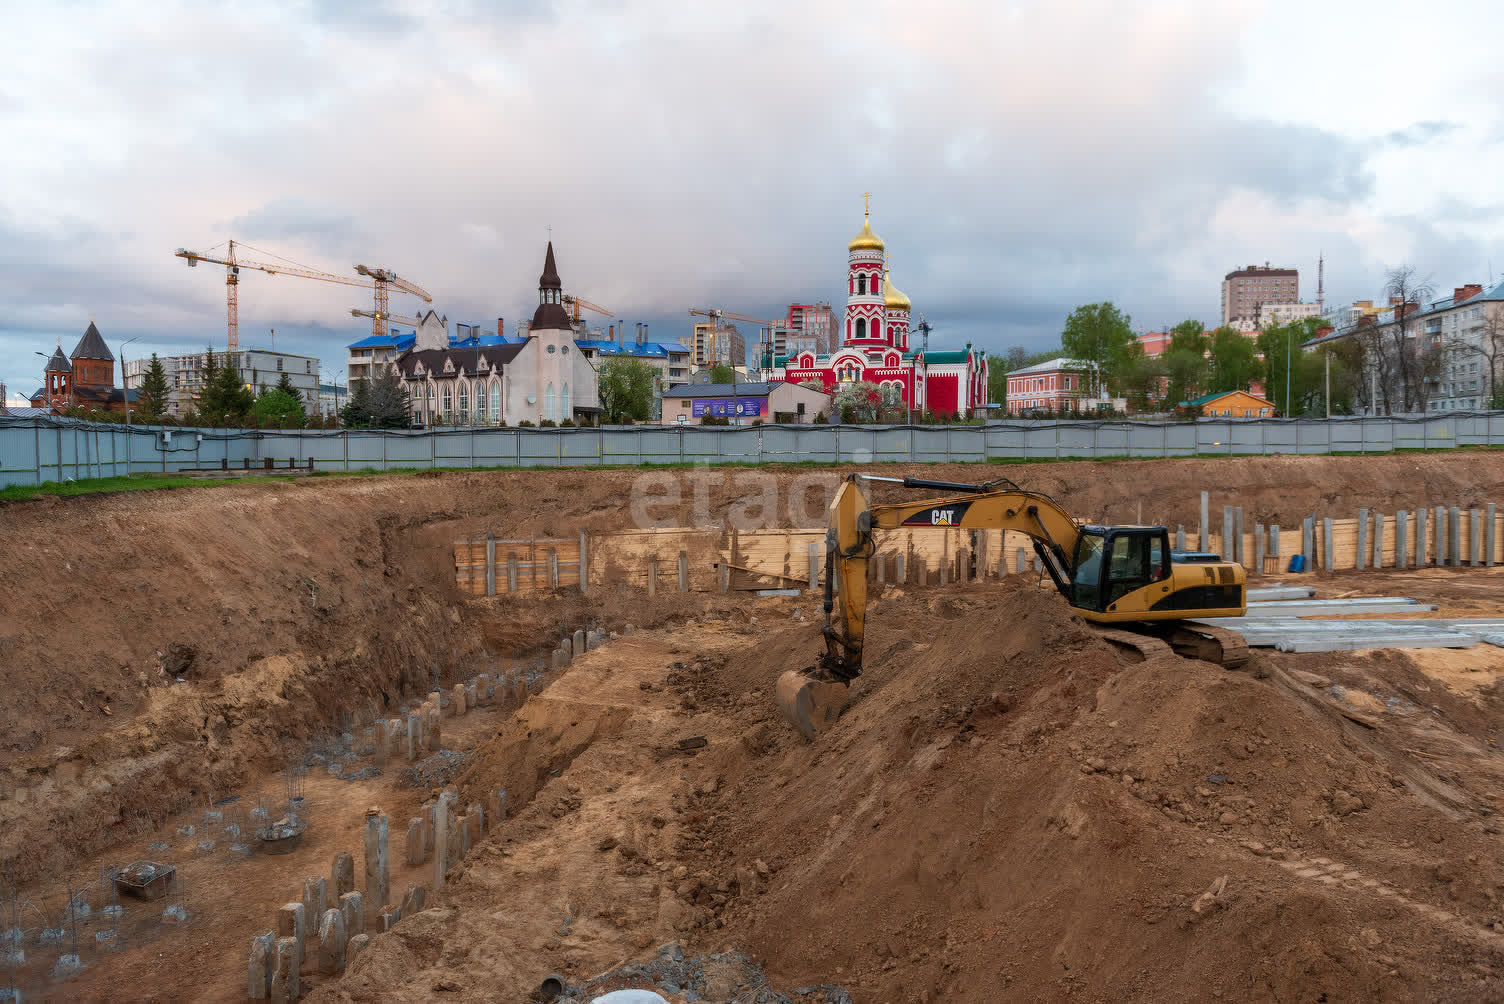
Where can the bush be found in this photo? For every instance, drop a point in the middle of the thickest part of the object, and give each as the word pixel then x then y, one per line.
pixel 547 423
pixel 820 419
pixel 757 421
pixel 525 424
pixel 567 423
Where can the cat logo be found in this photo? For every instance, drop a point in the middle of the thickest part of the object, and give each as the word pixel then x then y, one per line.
pixel 949 515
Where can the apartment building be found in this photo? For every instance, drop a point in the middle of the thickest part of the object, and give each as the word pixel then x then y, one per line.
pixel 1246 290
pixel 259 369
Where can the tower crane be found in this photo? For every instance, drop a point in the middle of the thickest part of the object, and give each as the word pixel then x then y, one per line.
pixel 379 280
pixel 234 264
pixel 575 303
pixel 715 325
pixel 385 279
pixel 394 318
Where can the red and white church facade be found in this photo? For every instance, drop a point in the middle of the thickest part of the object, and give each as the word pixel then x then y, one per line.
pixel 875 344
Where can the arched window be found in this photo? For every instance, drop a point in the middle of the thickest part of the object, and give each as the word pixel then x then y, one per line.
pixel 496 402
pixel 564 403
pixel 861 285
pixel 480 402
pixel 861 326
pixel 448 406
pixel 464 403
pixel 548 403
pixel 877 284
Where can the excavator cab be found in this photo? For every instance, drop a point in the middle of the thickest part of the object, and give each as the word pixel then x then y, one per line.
pixel 1112 561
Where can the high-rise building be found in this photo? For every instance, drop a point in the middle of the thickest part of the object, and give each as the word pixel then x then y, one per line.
pixel 1246 291
pixel 723 344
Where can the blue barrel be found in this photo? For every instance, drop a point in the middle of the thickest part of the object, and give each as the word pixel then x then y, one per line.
pixel 1297 562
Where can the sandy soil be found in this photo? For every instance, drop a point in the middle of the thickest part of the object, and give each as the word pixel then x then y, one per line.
pixel 958 815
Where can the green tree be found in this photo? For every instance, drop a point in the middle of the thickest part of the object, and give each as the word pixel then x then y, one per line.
pixel 276 408
pixel 284 384
pixel 863 402
pixel 722 373
pixel 1097 335
pixel 225 399
pixel 997 380
pixel 1185 362
pixel 356 412
pixel 151 405
pixel 1138 378
pixel 1233 362
pixel 1286 370
pixel 626 389
pixel 380 402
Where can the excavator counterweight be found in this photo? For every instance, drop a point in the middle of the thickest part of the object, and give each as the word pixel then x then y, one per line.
pixel 1123 576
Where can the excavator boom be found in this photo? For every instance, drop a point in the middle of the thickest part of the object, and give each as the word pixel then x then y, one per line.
pixel 1108 574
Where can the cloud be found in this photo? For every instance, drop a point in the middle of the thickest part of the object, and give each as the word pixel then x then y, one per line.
pixel 1420 133
pixel 1024 158
pixel 325 227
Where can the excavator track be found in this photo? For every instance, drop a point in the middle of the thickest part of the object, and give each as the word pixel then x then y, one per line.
pixel 1138 647
pixel 1190 641
pixel 1210 644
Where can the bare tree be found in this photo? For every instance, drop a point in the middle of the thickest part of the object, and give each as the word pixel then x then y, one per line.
pixel 1410 356
pixel 1491 347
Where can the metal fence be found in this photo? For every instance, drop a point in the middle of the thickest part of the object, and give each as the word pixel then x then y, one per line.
pixel 35 450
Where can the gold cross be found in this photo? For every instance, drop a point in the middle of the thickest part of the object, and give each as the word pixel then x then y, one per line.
pixel 867 203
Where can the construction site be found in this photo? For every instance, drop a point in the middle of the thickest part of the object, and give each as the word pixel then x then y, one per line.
pixel 486 736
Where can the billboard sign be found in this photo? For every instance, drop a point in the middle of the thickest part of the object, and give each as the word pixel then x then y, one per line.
pixel 729 407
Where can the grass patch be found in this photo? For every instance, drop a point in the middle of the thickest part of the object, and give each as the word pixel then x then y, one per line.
pixel 106 486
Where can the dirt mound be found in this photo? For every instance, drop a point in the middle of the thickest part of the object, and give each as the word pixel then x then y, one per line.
pixel 1005 810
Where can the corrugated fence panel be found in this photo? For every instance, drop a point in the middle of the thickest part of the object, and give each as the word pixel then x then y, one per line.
pixel 32 451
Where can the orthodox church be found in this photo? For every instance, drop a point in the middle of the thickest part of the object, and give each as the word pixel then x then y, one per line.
pixel 875 343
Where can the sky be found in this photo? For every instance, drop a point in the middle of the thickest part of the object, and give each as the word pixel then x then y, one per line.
pixel 1023 158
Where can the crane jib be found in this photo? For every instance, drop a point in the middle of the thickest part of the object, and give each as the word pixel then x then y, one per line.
pixel 949 514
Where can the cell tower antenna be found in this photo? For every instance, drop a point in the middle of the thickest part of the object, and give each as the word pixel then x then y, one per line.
pixel 1321 282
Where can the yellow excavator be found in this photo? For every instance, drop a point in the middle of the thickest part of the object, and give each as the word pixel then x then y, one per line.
pixel 1111 575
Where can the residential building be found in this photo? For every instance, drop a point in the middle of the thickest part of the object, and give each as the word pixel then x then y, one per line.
pixel 259 369
pixel 813 327
pixel 875 344
pixel 1055 385
pixel 723 343
pixel 1453 343
pixel 1245 290
pixel 367 357
pixel 83 379
pixel 669 360
pixel 744 403
pixel 332 398
pixel 543 377
pixel 1271 314
pixel 1233 404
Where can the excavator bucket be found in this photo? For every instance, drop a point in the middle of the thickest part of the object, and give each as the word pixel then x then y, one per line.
pixel 812 699
pixel 809 703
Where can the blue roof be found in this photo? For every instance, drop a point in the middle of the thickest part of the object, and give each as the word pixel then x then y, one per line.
pixel 385 342
pixel 607 347
pixel 478 341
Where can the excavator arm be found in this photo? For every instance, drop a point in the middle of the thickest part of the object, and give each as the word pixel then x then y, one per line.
pixel 814 698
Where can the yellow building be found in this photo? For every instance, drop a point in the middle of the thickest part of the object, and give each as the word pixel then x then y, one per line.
pixel 1233 404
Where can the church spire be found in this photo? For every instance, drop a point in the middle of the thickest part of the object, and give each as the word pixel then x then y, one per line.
pixel 550 314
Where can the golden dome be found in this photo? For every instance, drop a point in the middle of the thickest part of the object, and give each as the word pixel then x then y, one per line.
pixel 893 297
pixel 866 240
